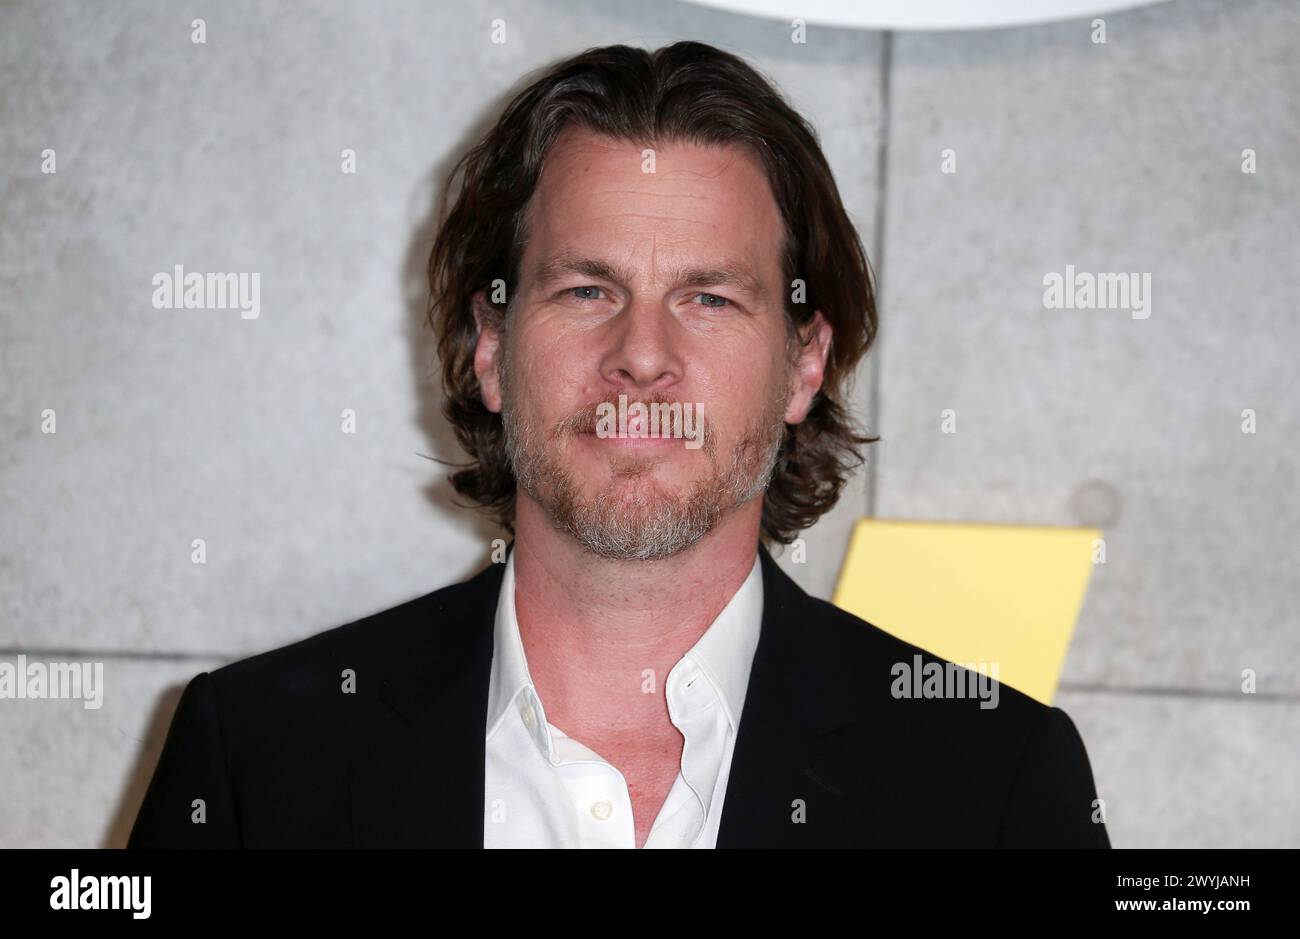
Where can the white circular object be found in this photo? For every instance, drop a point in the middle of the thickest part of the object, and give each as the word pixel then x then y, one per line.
pixel 923 14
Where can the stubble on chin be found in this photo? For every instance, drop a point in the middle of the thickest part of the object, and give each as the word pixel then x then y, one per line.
pixel 634 516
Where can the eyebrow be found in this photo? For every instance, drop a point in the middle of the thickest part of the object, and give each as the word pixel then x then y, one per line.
pixel 728 274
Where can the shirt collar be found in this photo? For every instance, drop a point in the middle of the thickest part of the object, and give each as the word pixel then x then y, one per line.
pixel 510 678
pixel 724 652
pixel 726 649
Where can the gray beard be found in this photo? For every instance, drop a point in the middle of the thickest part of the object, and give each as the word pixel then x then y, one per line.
pixel 646 523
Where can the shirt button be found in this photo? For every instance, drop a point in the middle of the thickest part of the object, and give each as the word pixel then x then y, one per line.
pixel 602 810
pixel 530 719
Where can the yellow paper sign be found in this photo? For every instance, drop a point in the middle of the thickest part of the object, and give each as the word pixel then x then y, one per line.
pixel 1006 596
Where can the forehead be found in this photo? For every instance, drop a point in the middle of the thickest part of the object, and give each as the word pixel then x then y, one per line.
pixel 681 204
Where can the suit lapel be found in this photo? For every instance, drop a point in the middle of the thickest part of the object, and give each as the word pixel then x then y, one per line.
pixel 417 777
pixel 790 785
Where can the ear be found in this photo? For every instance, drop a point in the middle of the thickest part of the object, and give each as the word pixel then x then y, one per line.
pixel 810 367
pixel 487 350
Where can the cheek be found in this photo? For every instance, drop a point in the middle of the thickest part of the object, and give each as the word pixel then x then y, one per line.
pixel 740 384
pixel 550 379
pixel 534 359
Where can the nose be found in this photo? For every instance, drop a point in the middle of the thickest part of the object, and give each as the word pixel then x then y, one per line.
pixel 644 351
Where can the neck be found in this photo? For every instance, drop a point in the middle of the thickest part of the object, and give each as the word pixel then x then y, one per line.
pixel 600 634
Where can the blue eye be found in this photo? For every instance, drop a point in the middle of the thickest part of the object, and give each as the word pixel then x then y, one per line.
pixel 712 301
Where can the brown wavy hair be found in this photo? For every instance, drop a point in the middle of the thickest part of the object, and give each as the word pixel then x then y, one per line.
pixel 687 92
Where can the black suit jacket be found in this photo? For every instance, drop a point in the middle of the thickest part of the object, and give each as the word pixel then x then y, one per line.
pixel 826 756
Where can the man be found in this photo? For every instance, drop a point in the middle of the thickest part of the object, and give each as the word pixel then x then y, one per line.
pixel 640 235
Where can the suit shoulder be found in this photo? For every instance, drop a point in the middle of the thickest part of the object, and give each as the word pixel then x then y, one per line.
pixel 877 659
pixel 1034 785
pixel 379 639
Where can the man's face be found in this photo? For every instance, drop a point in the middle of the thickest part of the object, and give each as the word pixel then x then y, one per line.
pixel 664 287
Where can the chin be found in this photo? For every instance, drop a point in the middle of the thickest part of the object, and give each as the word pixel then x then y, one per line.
pixel 662 479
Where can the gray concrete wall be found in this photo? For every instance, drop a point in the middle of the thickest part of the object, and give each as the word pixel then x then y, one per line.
pixel 182 424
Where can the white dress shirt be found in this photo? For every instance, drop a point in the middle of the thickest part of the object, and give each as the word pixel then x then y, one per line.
pixel 547 790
